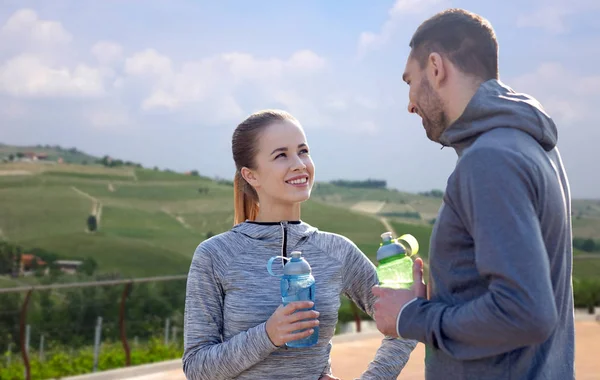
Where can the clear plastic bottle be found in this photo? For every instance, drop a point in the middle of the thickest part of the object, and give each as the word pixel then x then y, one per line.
pixel 297 284
pixel 395 264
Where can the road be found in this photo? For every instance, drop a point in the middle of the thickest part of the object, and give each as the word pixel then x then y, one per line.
pixel 352 352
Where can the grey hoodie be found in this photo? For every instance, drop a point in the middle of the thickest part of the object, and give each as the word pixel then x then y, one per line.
pixel 230 296
pixel 501 304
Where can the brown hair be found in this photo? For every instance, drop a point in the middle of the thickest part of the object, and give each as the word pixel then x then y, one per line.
pixel 465 38
pixel 244 145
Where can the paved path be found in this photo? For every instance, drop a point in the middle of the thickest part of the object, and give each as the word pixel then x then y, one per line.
pixel 351 354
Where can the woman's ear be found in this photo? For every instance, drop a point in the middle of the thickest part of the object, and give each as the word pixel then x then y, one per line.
pixel 250 176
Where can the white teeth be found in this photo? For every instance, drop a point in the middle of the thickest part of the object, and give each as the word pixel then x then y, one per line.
pixel 298 181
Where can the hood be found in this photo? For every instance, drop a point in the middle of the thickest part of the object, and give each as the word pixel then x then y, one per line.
pixel 496 105
pixel 274 232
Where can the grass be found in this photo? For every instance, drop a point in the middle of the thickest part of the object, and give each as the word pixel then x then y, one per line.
pixel 152 221
pixel 586 268
pixel 363 230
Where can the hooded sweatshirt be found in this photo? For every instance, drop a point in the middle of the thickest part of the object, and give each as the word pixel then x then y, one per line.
pixel 501 303
pixel 230 296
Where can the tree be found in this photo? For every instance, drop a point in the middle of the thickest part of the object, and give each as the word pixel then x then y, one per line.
pixel 11 157
pixel 88 266
pixel 588 245
pixel 92 223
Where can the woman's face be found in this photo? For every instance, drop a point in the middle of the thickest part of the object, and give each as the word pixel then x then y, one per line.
pixel 284 171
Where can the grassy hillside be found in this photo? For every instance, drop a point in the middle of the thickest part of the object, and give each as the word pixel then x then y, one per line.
pixel 70 155
pixel 150 221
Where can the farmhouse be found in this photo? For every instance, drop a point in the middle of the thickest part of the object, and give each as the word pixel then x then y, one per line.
pixel 29 263
pixel 68 266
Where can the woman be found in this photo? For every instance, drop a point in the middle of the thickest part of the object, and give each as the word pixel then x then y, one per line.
pixel 235 326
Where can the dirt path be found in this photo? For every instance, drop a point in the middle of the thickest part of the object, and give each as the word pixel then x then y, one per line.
pixel 178 218
pixel 386 223
pixel 96 205
pixel 14 172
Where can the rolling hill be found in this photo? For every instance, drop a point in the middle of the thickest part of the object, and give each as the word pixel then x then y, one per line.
pixel 151 221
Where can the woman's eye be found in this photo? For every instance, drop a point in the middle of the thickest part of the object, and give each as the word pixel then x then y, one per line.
pixel 304 151
pixel 280 155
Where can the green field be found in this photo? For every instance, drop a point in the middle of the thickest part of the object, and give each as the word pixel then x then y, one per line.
pixel 151 221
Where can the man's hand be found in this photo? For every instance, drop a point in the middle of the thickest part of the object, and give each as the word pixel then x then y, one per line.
pixel 391 301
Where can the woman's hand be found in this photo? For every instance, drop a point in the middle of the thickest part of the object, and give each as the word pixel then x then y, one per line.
pixel 329 377
pixel 284 321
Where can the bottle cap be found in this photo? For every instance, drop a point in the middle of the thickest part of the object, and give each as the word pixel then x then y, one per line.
pixel 297 265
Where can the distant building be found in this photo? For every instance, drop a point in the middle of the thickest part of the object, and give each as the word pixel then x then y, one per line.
pixel 29 263
pixel 68 266
pixel 32 156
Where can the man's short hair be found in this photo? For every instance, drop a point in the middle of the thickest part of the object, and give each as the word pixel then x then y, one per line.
pixel 465 38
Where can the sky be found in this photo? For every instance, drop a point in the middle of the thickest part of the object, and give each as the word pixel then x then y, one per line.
pixel 165 82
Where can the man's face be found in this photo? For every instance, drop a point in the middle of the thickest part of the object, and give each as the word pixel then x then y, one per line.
pixel 423 100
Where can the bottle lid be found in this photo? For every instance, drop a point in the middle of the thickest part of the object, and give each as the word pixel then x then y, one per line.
pixel 297 265
pixel 410 243
pixel 389 248
pixel 386 237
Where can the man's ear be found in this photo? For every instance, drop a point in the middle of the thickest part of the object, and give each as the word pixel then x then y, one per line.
pixel 437 70
pixel 250 176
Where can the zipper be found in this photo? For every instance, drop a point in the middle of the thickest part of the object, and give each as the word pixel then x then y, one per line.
pixel 284 225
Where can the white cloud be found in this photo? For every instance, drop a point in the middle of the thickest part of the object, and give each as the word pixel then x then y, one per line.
pixel 109 117
pixel 565 94
pixel 28 76
pixel 215 85
pixel 401 8
pixel 107 52
pixel 115 90
pixel 148 63
pixel 25 26
pixel 552 15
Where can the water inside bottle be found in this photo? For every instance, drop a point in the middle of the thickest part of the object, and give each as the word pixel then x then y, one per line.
pixel 396 274
pixel 300 288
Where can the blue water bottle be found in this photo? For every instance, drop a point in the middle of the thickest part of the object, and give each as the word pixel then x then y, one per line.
pixel 297 284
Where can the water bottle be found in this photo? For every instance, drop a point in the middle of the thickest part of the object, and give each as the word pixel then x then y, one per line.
pixel 297 284
pixel 395 264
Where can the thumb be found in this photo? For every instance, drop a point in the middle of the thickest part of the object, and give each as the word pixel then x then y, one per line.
pixel 418 271
pixel 377 291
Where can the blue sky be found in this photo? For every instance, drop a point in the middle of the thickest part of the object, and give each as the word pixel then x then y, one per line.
pixel 165 82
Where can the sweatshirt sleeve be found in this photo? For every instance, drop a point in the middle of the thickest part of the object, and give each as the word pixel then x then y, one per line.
pixel 495 197
pixel 359 276
pixel 205 355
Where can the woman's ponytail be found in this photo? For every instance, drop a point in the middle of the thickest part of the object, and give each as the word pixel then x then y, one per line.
pixel 244 146
pixel 245 204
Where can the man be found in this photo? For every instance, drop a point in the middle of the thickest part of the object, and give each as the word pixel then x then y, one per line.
pixel 500 299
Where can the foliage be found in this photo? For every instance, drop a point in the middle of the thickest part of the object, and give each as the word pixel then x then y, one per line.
pixel 586 245
pixel 60 361
pixel 435 193
pixel 92 223
pixel 586 293
pixel 369 183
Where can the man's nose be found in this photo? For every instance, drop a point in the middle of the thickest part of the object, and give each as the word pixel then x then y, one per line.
pixel 412 108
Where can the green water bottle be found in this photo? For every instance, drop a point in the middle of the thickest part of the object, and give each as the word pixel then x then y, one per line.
pixel 395 262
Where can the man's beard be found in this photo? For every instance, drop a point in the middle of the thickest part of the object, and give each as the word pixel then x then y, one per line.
pixel 434 118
